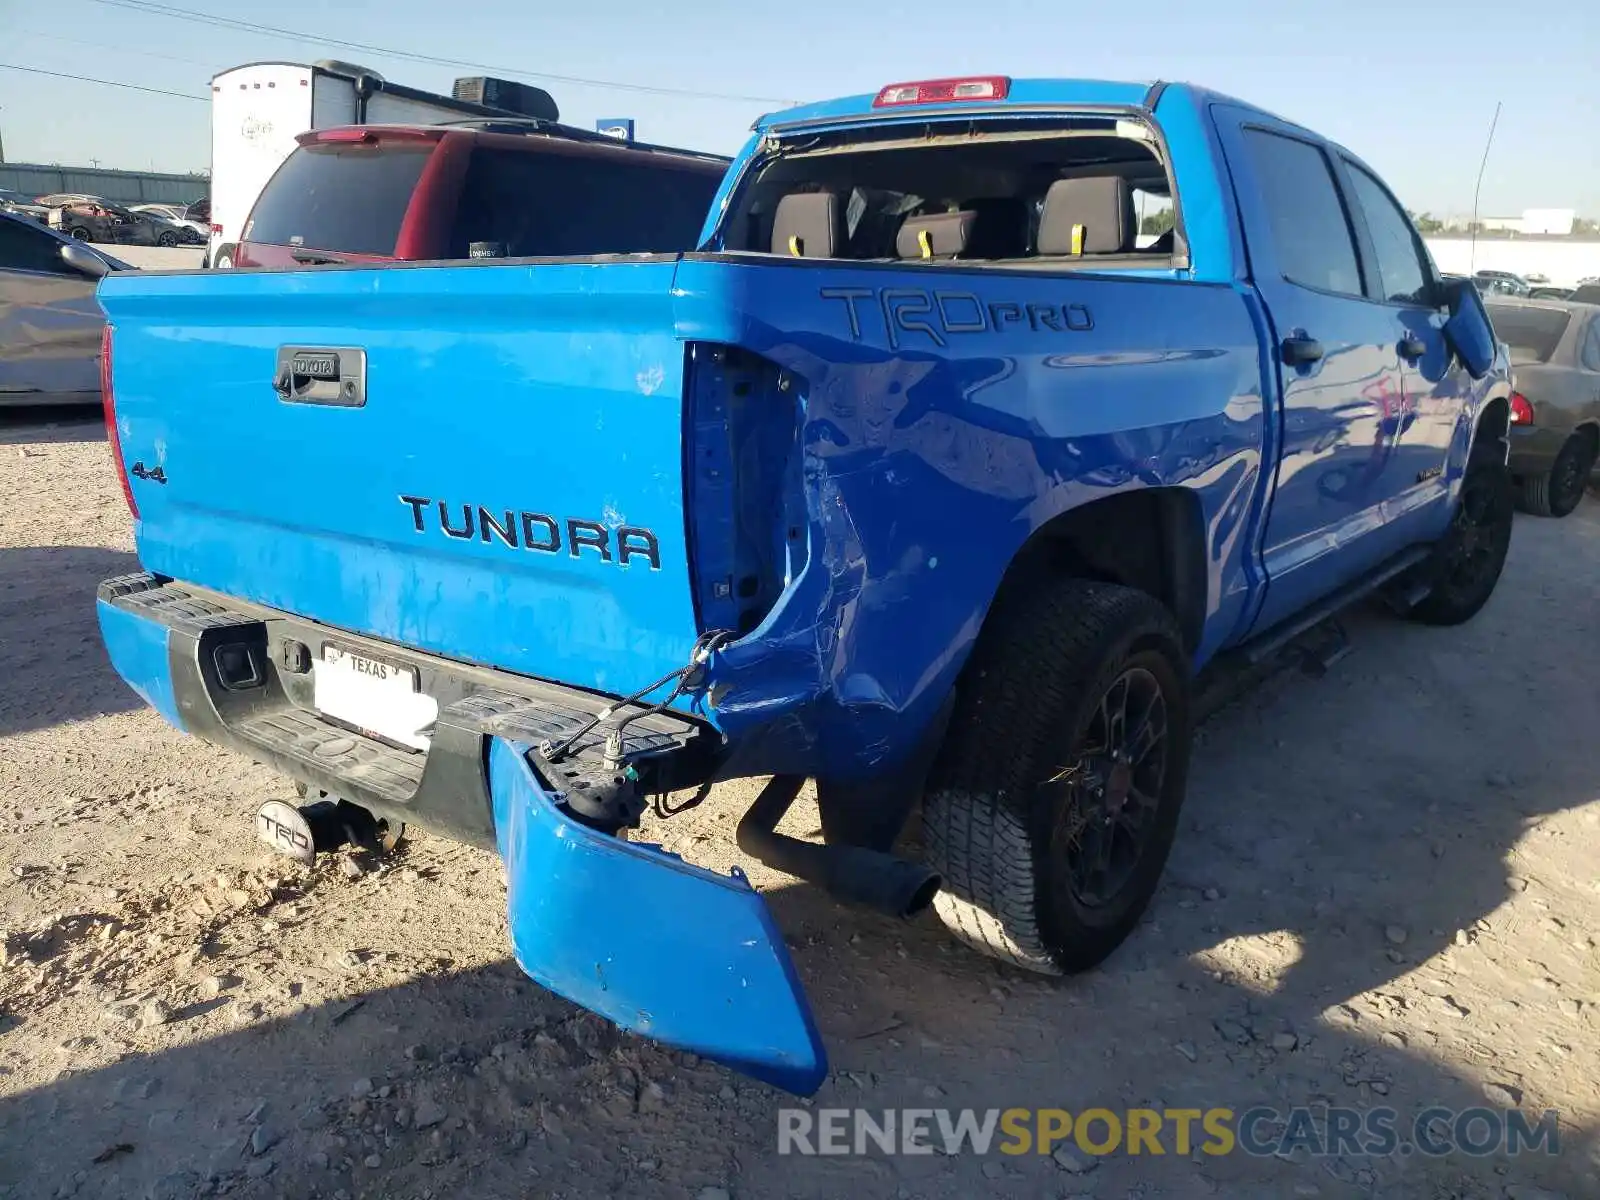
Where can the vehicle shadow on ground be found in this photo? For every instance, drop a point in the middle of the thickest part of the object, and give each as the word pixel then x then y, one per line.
pixel 31 425
pixel 51 658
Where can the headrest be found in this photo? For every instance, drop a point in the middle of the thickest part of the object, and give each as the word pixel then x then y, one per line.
pixel 1091 215
pixel 936 235
pixel 808 225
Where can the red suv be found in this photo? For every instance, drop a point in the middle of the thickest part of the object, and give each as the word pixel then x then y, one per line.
pixel 375 193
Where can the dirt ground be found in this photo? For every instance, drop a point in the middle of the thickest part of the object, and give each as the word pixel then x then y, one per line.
pixel 1384 893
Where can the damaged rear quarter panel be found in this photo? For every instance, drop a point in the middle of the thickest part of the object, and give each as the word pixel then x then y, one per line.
pixel 948 414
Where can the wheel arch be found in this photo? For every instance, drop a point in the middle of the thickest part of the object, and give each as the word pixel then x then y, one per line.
pixel 1493 426
pixel 1151 539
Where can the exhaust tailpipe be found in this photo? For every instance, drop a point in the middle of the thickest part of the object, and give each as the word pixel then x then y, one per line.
pixel 850 874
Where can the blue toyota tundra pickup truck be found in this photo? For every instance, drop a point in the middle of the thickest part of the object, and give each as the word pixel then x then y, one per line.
pixel 990 420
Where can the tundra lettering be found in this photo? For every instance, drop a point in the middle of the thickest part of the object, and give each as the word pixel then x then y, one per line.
pixel 539 531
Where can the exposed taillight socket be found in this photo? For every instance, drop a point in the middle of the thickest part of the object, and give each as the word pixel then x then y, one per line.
pixel 1521 409
pixel 108 405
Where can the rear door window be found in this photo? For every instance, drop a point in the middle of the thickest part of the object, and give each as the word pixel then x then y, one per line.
pixel 1310 232
pixel 349 198
pixel 1532 333
pixel 534 203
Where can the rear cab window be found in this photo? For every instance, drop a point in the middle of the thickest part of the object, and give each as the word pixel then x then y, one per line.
pixel 340 197
pixel 1085 191
pixel 1532 333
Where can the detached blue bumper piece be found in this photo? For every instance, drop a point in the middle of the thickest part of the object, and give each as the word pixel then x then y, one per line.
pixel 668 950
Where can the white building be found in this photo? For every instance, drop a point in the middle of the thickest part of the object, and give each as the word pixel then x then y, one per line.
pixel 1556 221
pixel 1548 221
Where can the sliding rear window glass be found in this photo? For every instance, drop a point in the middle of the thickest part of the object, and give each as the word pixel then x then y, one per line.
pixel 538 203
pixel 1532 333
pixel 349 198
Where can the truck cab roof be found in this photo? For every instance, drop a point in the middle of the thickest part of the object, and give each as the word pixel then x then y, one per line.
pixel 1019 94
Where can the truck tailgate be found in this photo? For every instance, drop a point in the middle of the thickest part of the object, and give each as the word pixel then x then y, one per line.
pixel 484 463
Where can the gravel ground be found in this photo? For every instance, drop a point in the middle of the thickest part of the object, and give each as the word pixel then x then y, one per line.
pixel 1383 894
pixel 159 258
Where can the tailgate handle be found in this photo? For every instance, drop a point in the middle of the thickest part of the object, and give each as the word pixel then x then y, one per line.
pixel 332 375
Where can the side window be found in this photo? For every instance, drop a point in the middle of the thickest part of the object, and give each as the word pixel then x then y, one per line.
pixel 1591 346
pixel 1310 232
pixel 541 203
pixel 25 249
pixel 1403 276
pixel 1153 211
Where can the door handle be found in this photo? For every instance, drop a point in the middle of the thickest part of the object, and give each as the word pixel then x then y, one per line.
pixel 1412 347
pixel 1300 349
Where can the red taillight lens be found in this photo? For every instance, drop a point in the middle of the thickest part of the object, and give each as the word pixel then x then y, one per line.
pixel 215 228
pixel 935 91
pixel 108 403
pixel 1521 409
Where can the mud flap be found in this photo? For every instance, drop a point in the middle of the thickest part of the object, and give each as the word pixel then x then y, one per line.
pixel 663 948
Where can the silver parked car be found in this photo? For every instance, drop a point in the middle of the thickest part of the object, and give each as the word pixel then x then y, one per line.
pixel 1555 409
pixel 50 321
pixel 188 231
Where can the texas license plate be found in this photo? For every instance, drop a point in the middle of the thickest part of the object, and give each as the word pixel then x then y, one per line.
pixel 373 695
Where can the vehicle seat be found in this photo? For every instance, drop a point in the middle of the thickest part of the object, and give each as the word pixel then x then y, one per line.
pixel 1089 215
pixel 935 235
pixel 808 225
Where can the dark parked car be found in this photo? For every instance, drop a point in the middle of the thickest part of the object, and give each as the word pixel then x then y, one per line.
pixel 1555 410
pixel 371 193
pixel 50 322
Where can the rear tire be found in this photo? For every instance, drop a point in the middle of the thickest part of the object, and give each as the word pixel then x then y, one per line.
pixel 1467 561
pixel 1559 491
pixel 81 233
pixel 1027 806
pixel 167 238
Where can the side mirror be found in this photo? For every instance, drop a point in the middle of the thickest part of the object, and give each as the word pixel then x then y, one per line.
pixel 84 261
pixel 1468 328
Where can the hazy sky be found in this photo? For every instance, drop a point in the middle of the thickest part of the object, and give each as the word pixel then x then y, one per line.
pixel 1409 86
